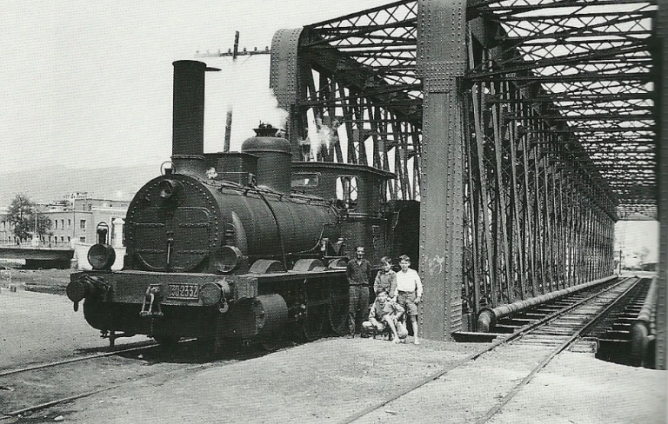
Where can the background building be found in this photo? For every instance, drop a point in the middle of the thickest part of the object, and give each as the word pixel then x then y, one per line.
pixel 75 219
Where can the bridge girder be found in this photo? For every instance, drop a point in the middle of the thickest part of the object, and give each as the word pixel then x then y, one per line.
pixel 534 123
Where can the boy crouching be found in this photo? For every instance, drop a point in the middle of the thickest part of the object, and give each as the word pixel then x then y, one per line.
pixel 385 313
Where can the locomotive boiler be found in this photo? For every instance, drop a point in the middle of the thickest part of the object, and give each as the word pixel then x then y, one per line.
pixel 244 245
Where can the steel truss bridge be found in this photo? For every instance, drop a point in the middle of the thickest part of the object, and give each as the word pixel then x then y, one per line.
pixel 526 128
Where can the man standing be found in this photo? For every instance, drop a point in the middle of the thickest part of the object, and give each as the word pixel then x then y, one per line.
pixel 358 272
pixel 409 289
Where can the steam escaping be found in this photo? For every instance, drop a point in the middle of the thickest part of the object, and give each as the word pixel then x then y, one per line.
pixel 242 87
pixel 268 109
pixel 321 137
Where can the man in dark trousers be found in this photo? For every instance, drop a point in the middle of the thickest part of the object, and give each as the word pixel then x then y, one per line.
pixel 358 272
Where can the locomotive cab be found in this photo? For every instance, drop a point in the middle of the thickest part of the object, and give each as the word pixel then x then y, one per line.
pixel 357 190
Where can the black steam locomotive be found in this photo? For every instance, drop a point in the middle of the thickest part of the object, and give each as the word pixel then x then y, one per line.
pixel 244 245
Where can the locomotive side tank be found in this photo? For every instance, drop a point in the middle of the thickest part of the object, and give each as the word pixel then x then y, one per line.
pixel 221 246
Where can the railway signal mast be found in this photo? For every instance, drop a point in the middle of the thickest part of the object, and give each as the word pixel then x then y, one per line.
pixel 234 53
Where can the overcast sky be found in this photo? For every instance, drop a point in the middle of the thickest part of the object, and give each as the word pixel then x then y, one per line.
pixel 89 83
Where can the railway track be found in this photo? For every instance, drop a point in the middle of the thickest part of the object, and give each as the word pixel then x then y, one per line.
pixel 134 348
pixel 27 390
pixel 563 324
pixel 41 383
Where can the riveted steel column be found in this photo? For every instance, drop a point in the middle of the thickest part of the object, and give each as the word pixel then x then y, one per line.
pixel 441 61
pixel 284 78
pixel 662 171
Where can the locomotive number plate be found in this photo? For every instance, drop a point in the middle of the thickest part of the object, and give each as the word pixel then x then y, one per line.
pixel 183 291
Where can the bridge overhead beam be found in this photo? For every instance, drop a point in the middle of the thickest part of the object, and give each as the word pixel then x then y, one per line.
pixel 441 63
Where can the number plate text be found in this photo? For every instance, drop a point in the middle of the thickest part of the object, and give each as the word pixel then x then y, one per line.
pixel 183 291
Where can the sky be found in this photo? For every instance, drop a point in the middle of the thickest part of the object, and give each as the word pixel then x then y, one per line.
pixel 88 84
pixel 632 236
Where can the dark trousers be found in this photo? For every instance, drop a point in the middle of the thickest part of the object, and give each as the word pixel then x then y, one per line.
pixel 358 297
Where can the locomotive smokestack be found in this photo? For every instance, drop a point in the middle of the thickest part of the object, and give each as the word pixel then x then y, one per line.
pixel 188 117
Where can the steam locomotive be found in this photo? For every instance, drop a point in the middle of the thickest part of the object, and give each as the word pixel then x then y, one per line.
pixel 243 245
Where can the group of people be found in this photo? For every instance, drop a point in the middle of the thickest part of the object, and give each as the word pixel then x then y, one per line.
pixel 397 297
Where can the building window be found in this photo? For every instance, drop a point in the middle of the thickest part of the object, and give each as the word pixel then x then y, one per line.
pixel 69 223
pixel 82 239
pixel 82 224
pixel 55 222
pixel 62 239
pixel 62 223
pixel 2 225
pixel 69 239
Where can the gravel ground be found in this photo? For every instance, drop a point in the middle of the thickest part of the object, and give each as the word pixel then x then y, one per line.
pixel 332 379
pixel 38 327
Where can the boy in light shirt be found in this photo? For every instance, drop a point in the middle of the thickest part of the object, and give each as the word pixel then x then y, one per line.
pixel 409 292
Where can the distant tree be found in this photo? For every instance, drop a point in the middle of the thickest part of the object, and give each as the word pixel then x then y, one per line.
pixel 43 224
pixel 25 217
pixel 19 214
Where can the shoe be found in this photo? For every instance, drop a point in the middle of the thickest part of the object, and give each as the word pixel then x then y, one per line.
pixel 417 342
pixel 351 336
pixel 396 341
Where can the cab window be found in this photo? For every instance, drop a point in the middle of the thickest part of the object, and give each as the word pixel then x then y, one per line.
pixel 346 191
pixel 305 180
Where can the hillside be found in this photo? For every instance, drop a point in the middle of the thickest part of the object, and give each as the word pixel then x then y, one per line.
pixel 53 183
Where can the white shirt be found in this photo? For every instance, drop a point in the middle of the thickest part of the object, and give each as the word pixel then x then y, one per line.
pixel 409 281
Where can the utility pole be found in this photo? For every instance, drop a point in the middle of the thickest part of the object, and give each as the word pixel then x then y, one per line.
pixel 234 53
pixel 228 121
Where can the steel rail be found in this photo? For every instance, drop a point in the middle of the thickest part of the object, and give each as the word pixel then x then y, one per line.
pixel 556 351
pixel 147 345
pixel 13 414
pixel 474 356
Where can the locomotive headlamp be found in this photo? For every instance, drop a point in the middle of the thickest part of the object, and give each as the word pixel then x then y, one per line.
pixel 210 294
pixel 101 256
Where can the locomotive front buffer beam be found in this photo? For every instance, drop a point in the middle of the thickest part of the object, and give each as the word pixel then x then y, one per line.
pixel 215 307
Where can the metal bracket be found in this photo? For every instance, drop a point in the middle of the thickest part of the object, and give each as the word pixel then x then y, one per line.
pixel 152 298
